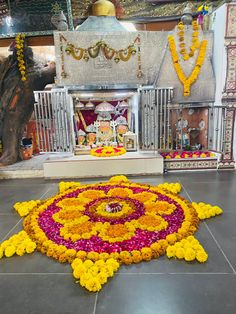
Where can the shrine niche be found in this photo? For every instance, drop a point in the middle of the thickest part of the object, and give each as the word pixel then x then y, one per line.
pixel 101 122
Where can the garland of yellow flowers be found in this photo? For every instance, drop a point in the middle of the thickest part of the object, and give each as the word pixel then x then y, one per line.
pixel 187 81
pixel 20 39
pixel 195 41
pixel 79 53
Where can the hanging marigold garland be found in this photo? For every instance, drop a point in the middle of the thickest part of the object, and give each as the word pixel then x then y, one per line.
pixel 20 40
pixel 195 40
pixel 187 81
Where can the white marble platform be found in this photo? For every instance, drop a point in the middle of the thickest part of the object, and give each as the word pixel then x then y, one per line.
pixel 87 166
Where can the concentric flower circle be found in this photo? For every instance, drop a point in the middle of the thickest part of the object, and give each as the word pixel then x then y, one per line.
pixel 116 217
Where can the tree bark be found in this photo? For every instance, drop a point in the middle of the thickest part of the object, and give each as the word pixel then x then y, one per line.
pixel 17 101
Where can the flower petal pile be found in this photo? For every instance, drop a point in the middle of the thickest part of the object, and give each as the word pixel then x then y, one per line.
pixel 108 151
pixel 187 154
pixel 98 227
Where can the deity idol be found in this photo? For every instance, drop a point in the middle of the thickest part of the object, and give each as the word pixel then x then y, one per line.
pixel 121 129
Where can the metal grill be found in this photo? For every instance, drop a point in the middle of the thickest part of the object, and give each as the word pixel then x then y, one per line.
pixel 154 118
pixel 53 121
pixel 216 128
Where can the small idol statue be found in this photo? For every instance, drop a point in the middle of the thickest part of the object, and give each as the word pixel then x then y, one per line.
pixel 121 129
pixel 91 135
pixel 81 137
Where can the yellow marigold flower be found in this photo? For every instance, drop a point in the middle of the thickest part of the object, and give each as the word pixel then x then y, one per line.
pixel 170 252
pixel 1 252
pixel 92 194
pixel 187 245
pixel 88 264
pixel 190 239
pixel 81 255
pixel 180 253
pixel 201 256
pixel 84 278
pixel 109 270
pixel 115 255
pixel 136 256
pixel 76 262
pixel 102 277
pixel 71 253
pixel 100 263
pixel 104 256
pixel 163 243
pixel 93 270
pixel 112 262
pixel 10 250
pixel 156 247
pixel 118 179
pixel 189 255
pixel 185 57
pixel 178 245
pixel 196 247
pixel 20 250
pixel 171 238
pixel 120 192
pixel 64 186
pixel 79 271
pixel 146 254
pixel 93 285
pixel 93 256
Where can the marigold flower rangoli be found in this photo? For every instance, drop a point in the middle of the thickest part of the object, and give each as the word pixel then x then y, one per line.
pixel 98 227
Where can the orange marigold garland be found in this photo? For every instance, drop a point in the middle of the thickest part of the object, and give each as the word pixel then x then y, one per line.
pixel 20 41
pixel 202 46
pixel 98 227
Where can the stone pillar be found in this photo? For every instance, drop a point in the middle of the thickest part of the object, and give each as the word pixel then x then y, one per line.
pixel 227 160
pixel 229 95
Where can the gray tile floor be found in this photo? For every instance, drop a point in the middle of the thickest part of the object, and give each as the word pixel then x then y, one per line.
pixel 35 284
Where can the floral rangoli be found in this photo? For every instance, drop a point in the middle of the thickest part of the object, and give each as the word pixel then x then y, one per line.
pixel 107 151
pixel 98 227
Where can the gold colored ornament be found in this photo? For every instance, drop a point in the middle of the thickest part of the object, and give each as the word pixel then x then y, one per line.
pixel 140 72
pixel 79 53
pixel 63 73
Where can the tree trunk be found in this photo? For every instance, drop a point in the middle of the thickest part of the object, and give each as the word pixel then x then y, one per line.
pixel 17 102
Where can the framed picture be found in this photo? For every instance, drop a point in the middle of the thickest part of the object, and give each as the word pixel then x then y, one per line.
pixel 34 18
pixel 130 141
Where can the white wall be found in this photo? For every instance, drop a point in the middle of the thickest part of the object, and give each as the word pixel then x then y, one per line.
pixel 219 64
pixel 219 52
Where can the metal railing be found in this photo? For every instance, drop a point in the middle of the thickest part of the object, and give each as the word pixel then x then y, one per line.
pixel 154 118
pixel 53 121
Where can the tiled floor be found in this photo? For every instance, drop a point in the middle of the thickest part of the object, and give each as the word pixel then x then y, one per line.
pixel 35 284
